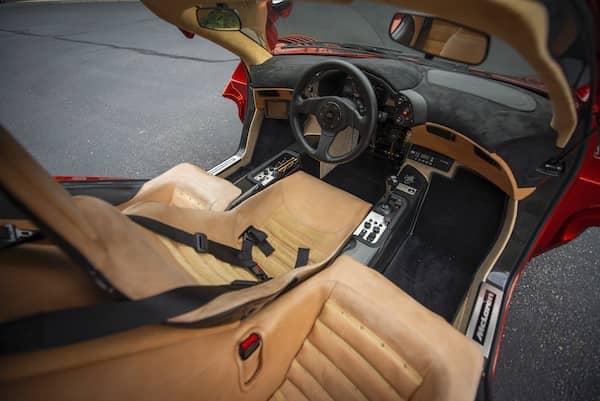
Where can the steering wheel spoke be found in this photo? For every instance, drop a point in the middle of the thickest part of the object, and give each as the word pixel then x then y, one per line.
pixel 357 120
pixel 325 141
pixel 308 105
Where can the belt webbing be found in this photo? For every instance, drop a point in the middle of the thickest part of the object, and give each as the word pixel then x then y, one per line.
pixel 69 326
pixel 202 244
pixel 302 257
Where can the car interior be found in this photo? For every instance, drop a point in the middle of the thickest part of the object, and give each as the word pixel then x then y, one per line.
pixel 343 245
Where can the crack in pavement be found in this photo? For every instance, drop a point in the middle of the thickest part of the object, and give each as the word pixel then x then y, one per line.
pixel 145 52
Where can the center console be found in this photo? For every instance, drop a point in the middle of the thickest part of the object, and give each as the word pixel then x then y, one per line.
pixel 392 214
pixel 282 165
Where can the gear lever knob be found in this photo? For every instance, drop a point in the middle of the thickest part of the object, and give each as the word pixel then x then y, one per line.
pixel 391 182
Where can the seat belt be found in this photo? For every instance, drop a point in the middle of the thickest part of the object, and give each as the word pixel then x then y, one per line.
pixel 200 242
pixel 68 326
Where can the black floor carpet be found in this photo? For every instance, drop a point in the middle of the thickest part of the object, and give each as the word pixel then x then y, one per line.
pixel 456 228
pixel 363 177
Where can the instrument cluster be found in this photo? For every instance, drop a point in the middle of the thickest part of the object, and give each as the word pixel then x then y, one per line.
pixel 393 106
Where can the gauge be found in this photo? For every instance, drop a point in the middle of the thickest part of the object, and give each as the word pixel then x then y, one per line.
pixel 402 115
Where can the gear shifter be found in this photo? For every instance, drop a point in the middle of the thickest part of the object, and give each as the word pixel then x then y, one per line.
pixel 391 182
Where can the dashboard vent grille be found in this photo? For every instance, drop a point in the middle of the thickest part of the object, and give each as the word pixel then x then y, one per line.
pixel 269 93
pixel 484 156
pixel 441 132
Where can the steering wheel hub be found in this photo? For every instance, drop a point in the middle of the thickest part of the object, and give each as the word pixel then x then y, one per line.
pixel 334 113
pixel 330 115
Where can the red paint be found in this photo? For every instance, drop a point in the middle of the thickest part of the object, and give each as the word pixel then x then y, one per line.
pixel 273 14
pixel 187 34
pixel 237 88
pixel 396 22
pixel 579 207
pixel 67 178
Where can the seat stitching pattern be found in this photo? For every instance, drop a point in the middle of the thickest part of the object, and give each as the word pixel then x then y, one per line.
pixel 353 320
pixel 342 374
pixel 365 360
pixel 278 396
pixel 308 372
pixel 298 387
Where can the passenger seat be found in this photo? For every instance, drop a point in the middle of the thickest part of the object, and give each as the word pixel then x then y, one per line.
pixel 344 334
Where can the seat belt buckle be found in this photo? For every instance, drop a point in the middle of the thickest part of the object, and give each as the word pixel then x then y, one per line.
pixel 200 243
pixel 255 235
pixel 258 238
pixel 10 234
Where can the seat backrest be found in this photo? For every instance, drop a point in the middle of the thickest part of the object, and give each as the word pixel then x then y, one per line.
pixel 347 332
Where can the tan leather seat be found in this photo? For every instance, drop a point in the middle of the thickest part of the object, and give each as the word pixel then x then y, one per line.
pixel 347 333
pixel 299 211
pixel 187 186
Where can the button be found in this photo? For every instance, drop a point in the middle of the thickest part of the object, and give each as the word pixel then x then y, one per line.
pixel 362 233
pixel 371 237
pixel 249 345
pixel 367 225
pixel 376 229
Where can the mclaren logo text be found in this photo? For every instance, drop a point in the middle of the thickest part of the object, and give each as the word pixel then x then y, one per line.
pixel 484 314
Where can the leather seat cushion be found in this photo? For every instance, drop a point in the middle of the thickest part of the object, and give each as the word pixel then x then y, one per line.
pixel 140 263
pixel 187 186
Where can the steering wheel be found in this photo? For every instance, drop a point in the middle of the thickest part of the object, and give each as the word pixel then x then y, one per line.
pixel 334 113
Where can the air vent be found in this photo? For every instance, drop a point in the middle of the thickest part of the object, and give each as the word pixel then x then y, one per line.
pixel 484 156
pixel 269 93
pixel 441 132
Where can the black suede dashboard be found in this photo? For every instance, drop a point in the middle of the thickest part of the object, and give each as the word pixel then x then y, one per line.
pixel 502 118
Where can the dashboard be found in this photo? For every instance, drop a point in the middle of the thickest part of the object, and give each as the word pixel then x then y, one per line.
pixel 502 125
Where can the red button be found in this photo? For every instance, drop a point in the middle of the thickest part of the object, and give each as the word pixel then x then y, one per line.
pixel 249 345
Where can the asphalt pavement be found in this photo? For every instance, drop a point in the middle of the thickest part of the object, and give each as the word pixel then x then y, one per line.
pixel 109 89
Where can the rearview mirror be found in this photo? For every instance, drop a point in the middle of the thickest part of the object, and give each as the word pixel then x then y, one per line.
pixel 439 37
pixel 219 19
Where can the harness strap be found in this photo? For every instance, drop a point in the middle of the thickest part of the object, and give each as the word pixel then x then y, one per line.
pixel 302 257
pixel 200 242
pixel 69 326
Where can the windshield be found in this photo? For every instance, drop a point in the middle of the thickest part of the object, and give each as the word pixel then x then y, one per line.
pixel 310 27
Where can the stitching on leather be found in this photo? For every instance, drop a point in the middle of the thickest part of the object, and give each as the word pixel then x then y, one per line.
pixel 308 342
pixel 370 333
pixel 315 379
pixel 298 387
pixel 278 396
pixel 363 358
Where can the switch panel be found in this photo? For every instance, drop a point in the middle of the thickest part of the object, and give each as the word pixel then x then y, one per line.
pixel 266 176
pixel 372 228
pixel 284 164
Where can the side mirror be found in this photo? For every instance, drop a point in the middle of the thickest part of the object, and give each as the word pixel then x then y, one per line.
pixel 439 37
pixel 219 19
